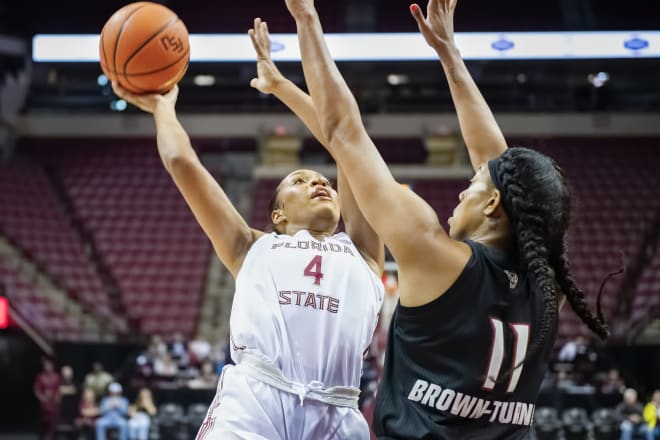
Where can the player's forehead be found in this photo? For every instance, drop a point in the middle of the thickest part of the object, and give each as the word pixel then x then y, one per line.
pixel 304 173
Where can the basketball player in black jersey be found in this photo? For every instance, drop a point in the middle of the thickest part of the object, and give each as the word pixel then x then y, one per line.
pixel 469 341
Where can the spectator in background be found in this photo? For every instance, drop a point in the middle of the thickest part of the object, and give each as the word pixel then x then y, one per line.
pixel 178 348
pixel 652 414
pixel 571 349
pixel 67 385
pixel 88 411
pixel 113 410
pixel 68 397
pixel 98 379
pixel 613 384
pixel 165 367
pixel 630 414
pixel 140 414
pixel 46 390
pixel 157 348
pixel 199 350
pixel 207 380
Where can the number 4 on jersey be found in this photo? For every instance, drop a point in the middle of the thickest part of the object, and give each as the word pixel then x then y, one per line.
pixel 313 269
pixel 521 339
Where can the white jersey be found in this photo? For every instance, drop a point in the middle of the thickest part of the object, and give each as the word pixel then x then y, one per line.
pixel 307 306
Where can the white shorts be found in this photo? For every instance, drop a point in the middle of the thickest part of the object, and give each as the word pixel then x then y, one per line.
pixel 245 408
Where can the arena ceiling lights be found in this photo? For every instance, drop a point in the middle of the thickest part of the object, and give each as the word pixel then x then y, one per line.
pixel 386 46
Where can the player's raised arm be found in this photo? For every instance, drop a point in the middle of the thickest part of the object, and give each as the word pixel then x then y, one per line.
pixel 270 80
pixel 229 233
pixel 482 135
pixel 407 224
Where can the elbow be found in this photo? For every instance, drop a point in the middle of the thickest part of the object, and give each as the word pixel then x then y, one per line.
pixel 178 163
pixel 339 129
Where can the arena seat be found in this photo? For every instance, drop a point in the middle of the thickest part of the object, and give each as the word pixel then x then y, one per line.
pixel 547 425
pixel 576 423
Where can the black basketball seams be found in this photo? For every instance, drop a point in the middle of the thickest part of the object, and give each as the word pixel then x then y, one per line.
pixel 121 29
pixel 128 76
pixel 163 28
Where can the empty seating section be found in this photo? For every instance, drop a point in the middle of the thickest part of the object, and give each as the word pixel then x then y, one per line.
pixel 263 192
pixel 42 311
pixel 32 217
pixel 647 295
pixel 615 206
pixel 146 234
pixel 158 255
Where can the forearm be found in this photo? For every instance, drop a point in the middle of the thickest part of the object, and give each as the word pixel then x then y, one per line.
pixel 302 105
pixel 482 135
pixel 332 98
pixel 173 141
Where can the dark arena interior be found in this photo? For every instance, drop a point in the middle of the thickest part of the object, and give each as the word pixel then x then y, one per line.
pixel 107 281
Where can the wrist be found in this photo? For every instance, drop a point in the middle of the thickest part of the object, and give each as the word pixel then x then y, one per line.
pixel 306 15
pixel 446 48
pixel 163 109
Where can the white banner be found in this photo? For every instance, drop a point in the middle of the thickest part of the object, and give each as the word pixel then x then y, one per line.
pixel 386 46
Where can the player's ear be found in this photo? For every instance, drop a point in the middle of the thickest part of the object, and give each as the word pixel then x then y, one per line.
pixel 278 218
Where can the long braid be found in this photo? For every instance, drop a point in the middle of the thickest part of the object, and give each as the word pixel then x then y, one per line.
pixel 576 299
pixel 529 221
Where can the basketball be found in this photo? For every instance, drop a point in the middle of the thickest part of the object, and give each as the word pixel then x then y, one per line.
pixel 144 46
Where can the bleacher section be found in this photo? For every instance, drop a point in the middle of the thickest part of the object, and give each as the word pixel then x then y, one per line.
pixel 146 234
pixel 34 220
pixel 158 255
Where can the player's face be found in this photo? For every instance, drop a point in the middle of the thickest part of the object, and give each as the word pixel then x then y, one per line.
pixel 469 213
pixel 307 199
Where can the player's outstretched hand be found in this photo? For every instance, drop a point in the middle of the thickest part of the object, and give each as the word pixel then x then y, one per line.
pixel 150 102
pixel 438 25
pixel 268 75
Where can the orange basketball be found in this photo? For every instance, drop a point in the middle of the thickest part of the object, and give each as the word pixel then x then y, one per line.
pixel 144 47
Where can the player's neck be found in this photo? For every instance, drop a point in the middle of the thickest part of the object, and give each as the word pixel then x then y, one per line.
pixel 495 237
pixel 319 234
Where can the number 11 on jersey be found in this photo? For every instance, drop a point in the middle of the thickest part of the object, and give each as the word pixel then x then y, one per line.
pixel 521 339
pixel 313 269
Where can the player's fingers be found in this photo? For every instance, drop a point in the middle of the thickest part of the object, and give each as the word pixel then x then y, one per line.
pixel 255 42
pixel 417 14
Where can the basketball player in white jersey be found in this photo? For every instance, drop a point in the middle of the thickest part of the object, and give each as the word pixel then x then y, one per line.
pixel 307 299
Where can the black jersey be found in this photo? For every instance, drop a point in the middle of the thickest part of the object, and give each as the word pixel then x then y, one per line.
pixel 447 361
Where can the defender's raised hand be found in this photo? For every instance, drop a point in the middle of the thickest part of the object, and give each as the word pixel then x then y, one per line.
pixel 438 25
pixel 268 75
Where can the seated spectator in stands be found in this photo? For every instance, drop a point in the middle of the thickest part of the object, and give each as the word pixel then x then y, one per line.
pixel 156 348
pixel 140 414
pixel 630 413
pixel 178 348
pixel 88 411
pixel 199 350
pixel 98 379
pixel 67 385
pixel 207 380
pixel 570 350
pixel 613 384
pixel 165 367
pixel 113 410
pixel 652 414
pixel 46 390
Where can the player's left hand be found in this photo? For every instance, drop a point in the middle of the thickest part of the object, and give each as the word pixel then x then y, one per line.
pixel 268 75
pixel 149 102
pixel 438 25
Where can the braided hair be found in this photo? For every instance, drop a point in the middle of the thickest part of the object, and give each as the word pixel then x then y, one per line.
pixel 537 199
